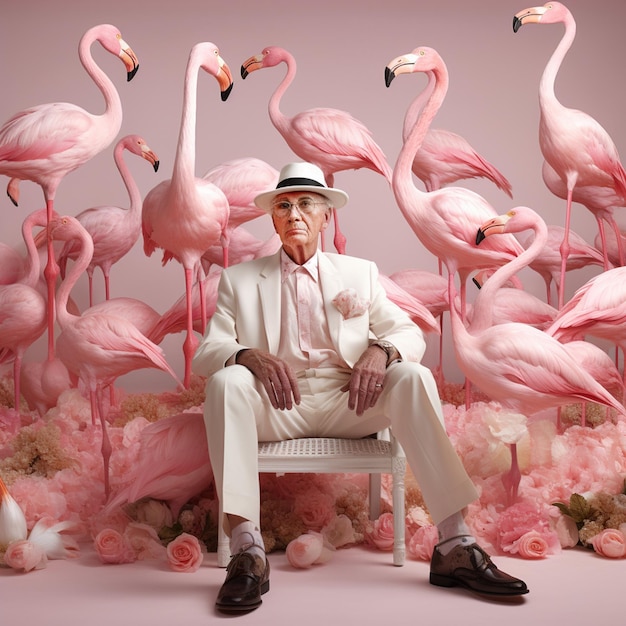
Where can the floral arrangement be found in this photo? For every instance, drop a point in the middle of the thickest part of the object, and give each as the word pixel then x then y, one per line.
pixel 53 468
pixel 600 520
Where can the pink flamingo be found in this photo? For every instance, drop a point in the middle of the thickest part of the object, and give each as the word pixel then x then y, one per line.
pixel 575 145
pixel 242 180
pixel 332 139
pixel 174 320
pixel 42 382
pixel 12 267
pixel 445 157
pixel 598 309
pixel 601 201
pixel 114 230
pixel 186 215
pixel 22 308
pixel 46 142
pixel 417 311
pixel 517 365
pixel 548 263
pixel 173 463
pixel 445 220
pixel 100 347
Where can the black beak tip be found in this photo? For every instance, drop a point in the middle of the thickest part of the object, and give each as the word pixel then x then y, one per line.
pixel 480 235
pixel 244 72
pixel 517 23
pixel 389 76
pixel 156 166
pixel 132 73
pixel 226 92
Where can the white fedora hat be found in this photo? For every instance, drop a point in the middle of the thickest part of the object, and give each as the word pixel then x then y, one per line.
pixel 301 177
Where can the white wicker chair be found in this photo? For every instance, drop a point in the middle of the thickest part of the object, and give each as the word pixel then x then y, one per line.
pixel 327 455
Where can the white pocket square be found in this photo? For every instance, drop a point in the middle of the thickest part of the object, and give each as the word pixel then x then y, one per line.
pixel 349 303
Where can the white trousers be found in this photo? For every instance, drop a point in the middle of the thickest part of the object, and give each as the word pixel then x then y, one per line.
pixel 238 414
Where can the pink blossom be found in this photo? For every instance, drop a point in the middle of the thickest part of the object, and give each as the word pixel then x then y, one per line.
pixel 381 533
pixel 112 547
pixel 610 543
pixel 25 555
pixel 423 541
pixel 531 545
pixel 308 549
pixel 566 530
pixel 184 553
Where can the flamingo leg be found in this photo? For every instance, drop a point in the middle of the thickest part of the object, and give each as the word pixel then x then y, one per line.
pixel 51 272
pixel 340 239
pixel 512 478
pixel 188 345
pixel 565 247
pixel 106 447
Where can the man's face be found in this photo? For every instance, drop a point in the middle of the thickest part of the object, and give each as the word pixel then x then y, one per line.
pixel 299 217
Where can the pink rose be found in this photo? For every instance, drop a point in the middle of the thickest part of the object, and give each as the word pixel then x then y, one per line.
pixel 184 553
pixel 532 545
pixel 610 543
pixel 144 540
pixel 423 542
pixel 339 531
pixel 305 550
pixel 381 534
pixel 112 547
pixel 25 555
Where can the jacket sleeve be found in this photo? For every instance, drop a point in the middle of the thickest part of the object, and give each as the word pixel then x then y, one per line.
pixel 220 339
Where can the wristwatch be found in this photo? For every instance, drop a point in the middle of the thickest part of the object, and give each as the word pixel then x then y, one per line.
pixel 390 350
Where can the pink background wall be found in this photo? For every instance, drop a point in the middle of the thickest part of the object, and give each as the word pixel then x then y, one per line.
pixel 341 48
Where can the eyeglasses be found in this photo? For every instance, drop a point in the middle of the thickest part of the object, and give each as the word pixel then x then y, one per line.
pixel 305 206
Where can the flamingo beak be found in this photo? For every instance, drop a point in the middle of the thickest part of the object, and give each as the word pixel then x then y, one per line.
pixel 129 58
pixel 528 16
pixel 400 65
pixel 225 79
pixel 151 157
pixel 252 64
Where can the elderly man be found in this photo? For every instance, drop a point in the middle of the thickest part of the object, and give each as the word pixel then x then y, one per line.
pixel 305 343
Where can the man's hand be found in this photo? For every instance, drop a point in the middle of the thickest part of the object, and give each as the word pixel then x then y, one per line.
pixel 276 375
pixel 366 380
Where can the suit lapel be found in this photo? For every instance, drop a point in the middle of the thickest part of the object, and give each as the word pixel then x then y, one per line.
pixel 331 284
pixel 269 294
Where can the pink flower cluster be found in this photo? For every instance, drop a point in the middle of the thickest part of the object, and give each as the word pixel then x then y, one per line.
pixel 350 304
pixel 611 542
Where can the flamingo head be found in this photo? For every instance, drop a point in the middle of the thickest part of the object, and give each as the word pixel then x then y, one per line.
pixel 269 57
pixel 549 13
pixel 212 63
pixel 138 146
pixel 111 40
pixel 422 59
pixel 513 221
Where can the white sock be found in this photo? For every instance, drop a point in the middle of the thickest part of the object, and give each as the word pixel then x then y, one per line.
pixel 453 531
pixel 247 537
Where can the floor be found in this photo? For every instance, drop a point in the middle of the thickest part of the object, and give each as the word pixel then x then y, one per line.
pixel 358 586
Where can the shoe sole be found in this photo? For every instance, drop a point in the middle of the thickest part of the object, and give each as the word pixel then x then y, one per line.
pixel 447 581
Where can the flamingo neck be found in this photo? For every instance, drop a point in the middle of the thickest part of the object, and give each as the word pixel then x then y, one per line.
pixel 38 218
pixel 279 120
pixel 417 105
pixel 113 104
pixel 129 182
pixel 185 160
pixel 64 317
pixel 548 77
pixel 482 315
pixel 402 176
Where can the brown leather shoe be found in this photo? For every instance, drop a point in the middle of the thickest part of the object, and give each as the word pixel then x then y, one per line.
pixel 471 567
pixel 247 578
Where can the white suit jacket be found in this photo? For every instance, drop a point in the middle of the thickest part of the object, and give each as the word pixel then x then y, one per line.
pixel 248 315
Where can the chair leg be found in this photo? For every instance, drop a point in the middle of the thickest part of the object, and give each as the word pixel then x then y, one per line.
pixel 399 546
